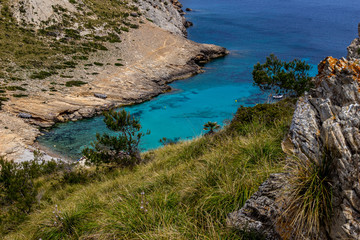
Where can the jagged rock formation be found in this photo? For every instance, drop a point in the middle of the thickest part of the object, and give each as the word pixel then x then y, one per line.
pixel 36 12
pixel 165 15
pixel 354 48
pixel 326 119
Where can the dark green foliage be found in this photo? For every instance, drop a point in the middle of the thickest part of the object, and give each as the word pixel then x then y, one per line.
pixel 71 33
pixel 121 149
pixel 20 95
pixel 3 99
pixel 119 64
pixel 266 114
pixel 41 75
pixel 70 64
pixel 76 83
pixel 125 29
pixel 75 176
pixel 211 127
pixel 14 88
pixel 274 75
pixel 98 64
pixel 16 185
pixel 168 141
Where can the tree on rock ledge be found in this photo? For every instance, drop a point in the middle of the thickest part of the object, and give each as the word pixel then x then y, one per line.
pixel 280 77
pixel 121 149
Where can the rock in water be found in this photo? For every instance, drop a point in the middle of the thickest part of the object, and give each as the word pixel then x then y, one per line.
pixel 325 119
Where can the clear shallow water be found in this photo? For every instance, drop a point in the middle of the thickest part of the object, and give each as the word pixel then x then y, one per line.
pixel 251 30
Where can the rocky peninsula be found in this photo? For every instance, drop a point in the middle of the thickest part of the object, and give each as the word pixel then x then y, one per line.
pixel 134 69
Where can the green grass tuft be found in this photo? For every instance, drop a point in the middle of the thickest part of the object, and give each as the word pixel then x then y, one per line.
pixel 309 205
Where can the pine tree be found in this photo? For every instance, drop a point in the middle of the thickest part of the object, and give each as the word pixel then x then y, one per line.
pixel 121 149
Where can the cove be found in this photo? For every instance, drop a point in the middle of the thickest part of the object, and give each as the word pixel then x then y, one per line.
pixel 251 30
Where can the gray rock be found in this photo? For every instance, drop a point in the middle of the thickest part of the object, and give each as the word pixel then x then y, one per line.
pixel 325 119
pixel 134 14
pixel 166 14
pixel 99 95
pixel 24 115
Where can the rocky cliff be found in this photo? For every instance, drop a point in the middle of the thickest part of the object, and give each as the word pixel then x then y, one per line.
pixel 325 125
pixel 78 58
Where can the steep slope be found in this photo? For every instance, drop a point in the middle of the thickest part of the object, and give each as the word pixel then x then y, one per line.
pixel 181 191
pixel 325 134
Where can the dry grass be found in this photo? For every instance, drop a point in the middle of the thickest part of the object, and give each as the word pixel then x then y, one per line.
pixel 184 191
pixel 309 194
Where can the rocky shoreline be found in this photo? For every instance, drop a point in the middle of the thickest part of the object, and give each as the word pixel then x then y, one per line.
pixel 152 58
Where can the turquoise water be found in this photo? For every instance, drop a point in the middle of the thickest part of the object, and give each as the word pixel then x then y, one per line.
pixel 251 30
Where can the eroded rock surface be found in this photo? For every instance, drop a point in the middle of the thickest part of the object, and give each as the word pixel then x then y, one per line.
pixel 354 48
pixel 325 119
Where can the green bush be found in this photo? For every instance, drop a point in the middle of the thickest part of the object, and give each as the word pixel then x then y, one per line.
pixel 41 75
pixel 121 150
pixel 76 83
pixel 16 185
pixel 98 64
pixel 266 114
pixel 15 88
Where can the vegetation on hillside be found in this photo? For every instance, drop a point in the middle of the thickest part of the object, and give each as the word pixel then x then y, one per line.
pixel 280 77
pixel 39 53
pixel 182 191
pixel 121 149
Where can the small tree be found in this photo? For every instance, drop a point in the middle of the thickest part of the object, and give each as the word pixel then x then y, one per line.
pixel 211 127
pixel 122 149
pixel 282 77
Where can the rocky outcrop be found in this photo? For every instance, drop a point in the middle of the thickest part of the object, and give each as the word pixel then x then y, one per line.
pixel 325 119
pixel 354 48
pixel 37 12
pixel 166 14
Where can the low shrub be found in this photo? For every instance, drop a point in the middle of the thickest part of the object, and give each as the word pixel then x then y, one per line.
pixel 41 75
pixel 75 83
pixel 264 114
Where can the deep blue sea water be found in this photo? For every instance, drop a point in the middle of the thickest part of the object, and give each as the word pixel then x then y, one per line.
pixel 251 30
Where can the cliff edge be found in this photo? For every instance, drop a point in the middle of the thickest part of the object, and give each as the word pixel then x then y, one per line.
pixel 325 125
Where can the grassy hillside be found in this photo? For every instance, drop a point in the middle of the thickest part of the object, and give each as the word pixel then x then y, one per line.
pixel 182 191
pixel 32 52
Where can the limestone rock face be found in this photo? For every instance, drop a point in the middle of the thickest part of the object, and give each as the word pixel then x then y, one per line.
pixel 38 11
pixel 354 48
pixel 328 117
pixel 165 14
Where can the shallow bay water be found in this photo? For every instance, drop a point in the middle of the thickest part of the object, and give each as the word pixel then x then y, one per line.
pixel 251 30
